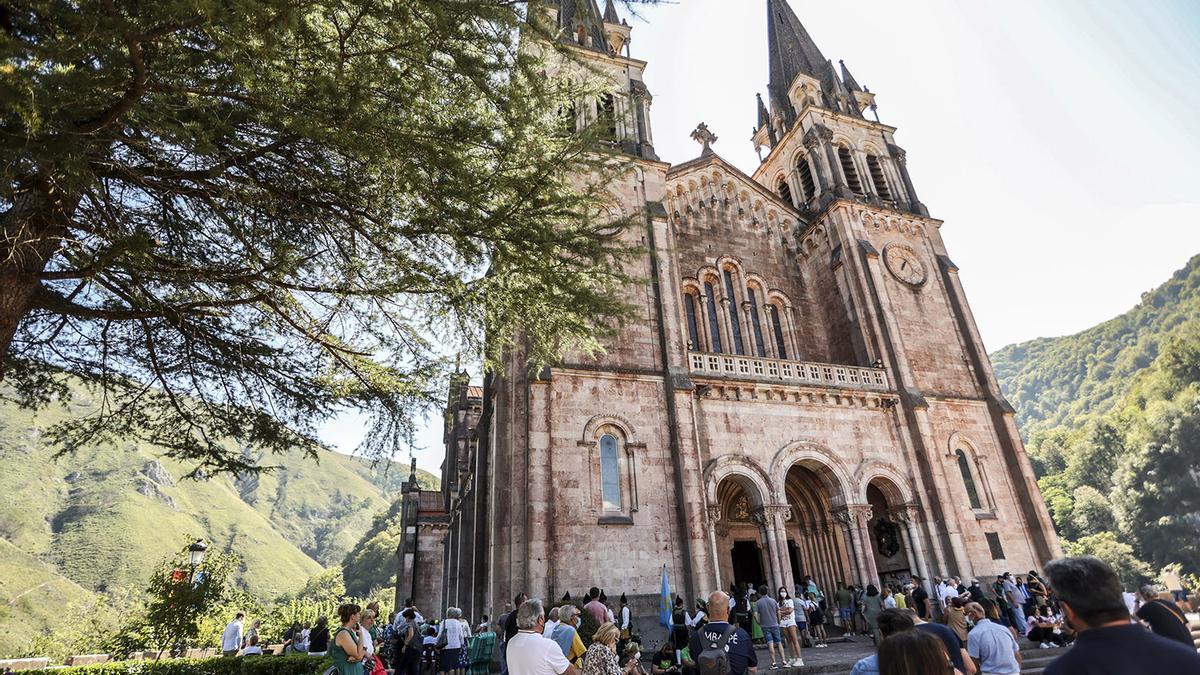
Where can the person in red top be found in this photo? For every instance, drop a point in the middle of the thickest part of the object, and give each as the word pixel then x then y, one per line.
pixel 595 607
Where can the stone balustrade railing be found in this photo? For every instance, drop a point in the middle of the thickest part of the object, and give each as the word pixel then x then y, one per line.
pixel 788 372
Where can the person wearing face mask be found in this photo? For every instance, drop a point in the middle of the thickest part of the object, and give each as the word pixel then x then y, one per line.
pixel 787 624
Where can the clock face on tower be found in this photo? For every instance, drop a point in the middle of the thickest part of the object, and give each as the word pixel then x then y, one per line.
pixel 904 264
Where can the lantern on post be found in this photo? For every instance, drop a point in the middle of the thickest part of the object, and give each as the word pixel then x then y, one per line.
pixel 196 553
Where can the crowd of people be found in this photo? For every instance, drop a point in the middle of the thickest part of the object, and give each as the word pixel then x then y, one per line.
pixel 961 627
pixel 362 645
pixel 1080 603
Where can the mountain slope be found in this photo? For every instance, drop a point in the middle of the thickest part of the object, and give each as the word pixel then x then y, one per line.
pixel 1113 419
pixel 103 516
pixel 33 596
pixel 1058 381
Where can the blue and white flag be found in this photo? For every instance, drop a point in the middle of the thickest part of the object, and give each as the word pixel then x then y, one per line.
pixel 664 604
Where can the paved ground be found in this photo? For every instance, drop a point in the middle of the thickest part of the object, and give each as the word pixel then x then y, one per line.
pixel 840 652
pixel 843 652
pixel 841 655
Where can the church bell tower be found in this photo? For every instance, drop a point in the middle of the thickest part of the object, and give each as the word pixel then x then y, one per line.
pixel 840 166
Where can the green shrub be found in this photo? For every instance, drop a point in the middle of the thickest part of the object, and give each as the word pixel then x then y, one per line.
pixel 254 665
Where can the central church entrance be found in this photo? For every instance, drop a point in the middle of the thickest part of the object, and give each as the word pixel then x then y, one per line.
pixel 747 564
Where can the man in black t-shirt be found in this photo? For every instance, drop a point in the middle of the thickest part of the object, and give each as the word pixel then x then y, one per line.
pixel 954 646
pixel 742 658
pixel 1164 617
pixel 509 628
pixel 920 598
pixel 1108 644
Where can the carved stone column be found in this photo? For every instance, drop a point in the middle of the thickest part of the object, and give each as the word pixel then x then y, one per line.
pixel 764 313
pixel 716 528
pixel 862 515
pixel 826 181
pixel 751 327
pixel 763 521
pixel 778 514
pixel 906 515
pixel 845 522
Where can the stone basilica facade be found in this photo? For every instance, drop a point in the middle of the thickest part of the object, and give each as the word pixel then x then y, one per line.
pixel 804 391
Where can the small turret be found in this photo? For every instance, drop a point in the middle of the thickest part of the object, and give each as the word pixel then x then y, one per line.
pixel 862 97
pixel 764 136
pixel 616 31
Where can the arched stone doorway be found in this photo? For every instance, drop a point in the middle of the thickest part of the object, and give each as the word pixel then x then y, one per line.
pixel 886 530
pixel 742 551
pixel 815 545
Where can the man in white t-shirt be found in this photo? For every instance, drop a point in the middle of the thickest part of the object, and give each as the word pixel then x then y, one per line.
pixel 528 652
pixel 231 639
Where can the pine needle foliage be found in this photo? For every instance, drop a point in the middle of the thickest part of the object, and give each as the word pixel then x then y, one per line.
pixel 236 217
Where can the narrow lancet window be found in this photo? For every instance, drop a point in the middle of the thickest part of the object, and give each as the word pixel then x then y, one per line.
pixel 877 177
pixel 735 326
pixel 689 309
pixel 847 161
pixel 807 186
pixel 610 473
pixel 714 329
pixel 759 343
pixel 777 326
pixel 964 467
pixel 785 191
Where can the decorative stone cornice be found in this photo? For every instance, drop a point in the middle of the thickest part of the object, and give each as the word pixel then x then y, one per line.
pixel 794 395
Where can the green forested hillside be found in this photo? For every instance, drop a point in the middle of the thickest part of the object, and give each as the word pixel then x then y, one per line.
pixel 370 564
pixel 1058 381
pixel 94 523
pixel 1112 417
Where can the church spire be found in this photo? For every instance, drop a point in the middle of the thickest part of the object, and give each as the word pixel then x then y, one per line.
pixel 791 51
pixel 610 12
pixel 848 79
pixel 581 23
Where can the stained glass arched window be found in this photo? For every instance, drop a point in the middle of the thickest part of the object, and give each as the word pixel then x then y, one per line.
pixel 964 467
pixel 610 473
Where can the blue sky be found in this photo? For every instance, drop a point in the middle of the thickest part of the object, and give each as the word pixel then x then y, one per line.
pixel 1057 140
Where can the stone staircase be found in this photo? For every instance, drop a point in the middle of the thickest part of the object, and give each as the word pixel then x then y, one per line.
pixel 1035 660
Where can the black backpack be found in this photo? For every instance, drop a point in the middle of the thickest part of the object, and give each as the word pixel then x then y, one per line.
pixel 714 660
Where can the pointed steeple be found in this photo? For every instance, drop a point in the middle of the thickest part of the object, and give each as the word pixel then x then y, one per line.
pixel 791 51
pixel 610 12
pixel 848 79
pixel 581 24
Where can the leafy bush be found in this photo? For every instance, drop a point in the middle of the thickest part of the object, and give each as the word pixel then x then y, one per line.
pixel 254 665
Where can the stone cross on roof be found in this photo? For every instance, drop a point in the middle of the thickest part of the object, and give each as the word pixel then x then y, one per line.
pixel 704 136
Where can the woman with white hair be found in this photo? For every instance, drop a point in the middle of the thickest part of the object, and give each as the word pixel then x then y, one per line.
pixel 452 637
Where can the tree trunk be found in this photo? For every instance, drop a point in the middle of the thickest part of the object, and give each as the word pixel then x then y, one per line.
pixel 31 232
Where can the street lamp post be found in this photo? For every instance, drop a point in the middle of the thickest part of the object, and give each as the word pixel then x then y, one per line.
pixel 196 553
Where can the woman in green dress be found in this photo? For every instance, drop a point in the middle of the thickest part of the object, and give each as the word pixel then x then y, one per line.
pixel 872 605
pixel 347 650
